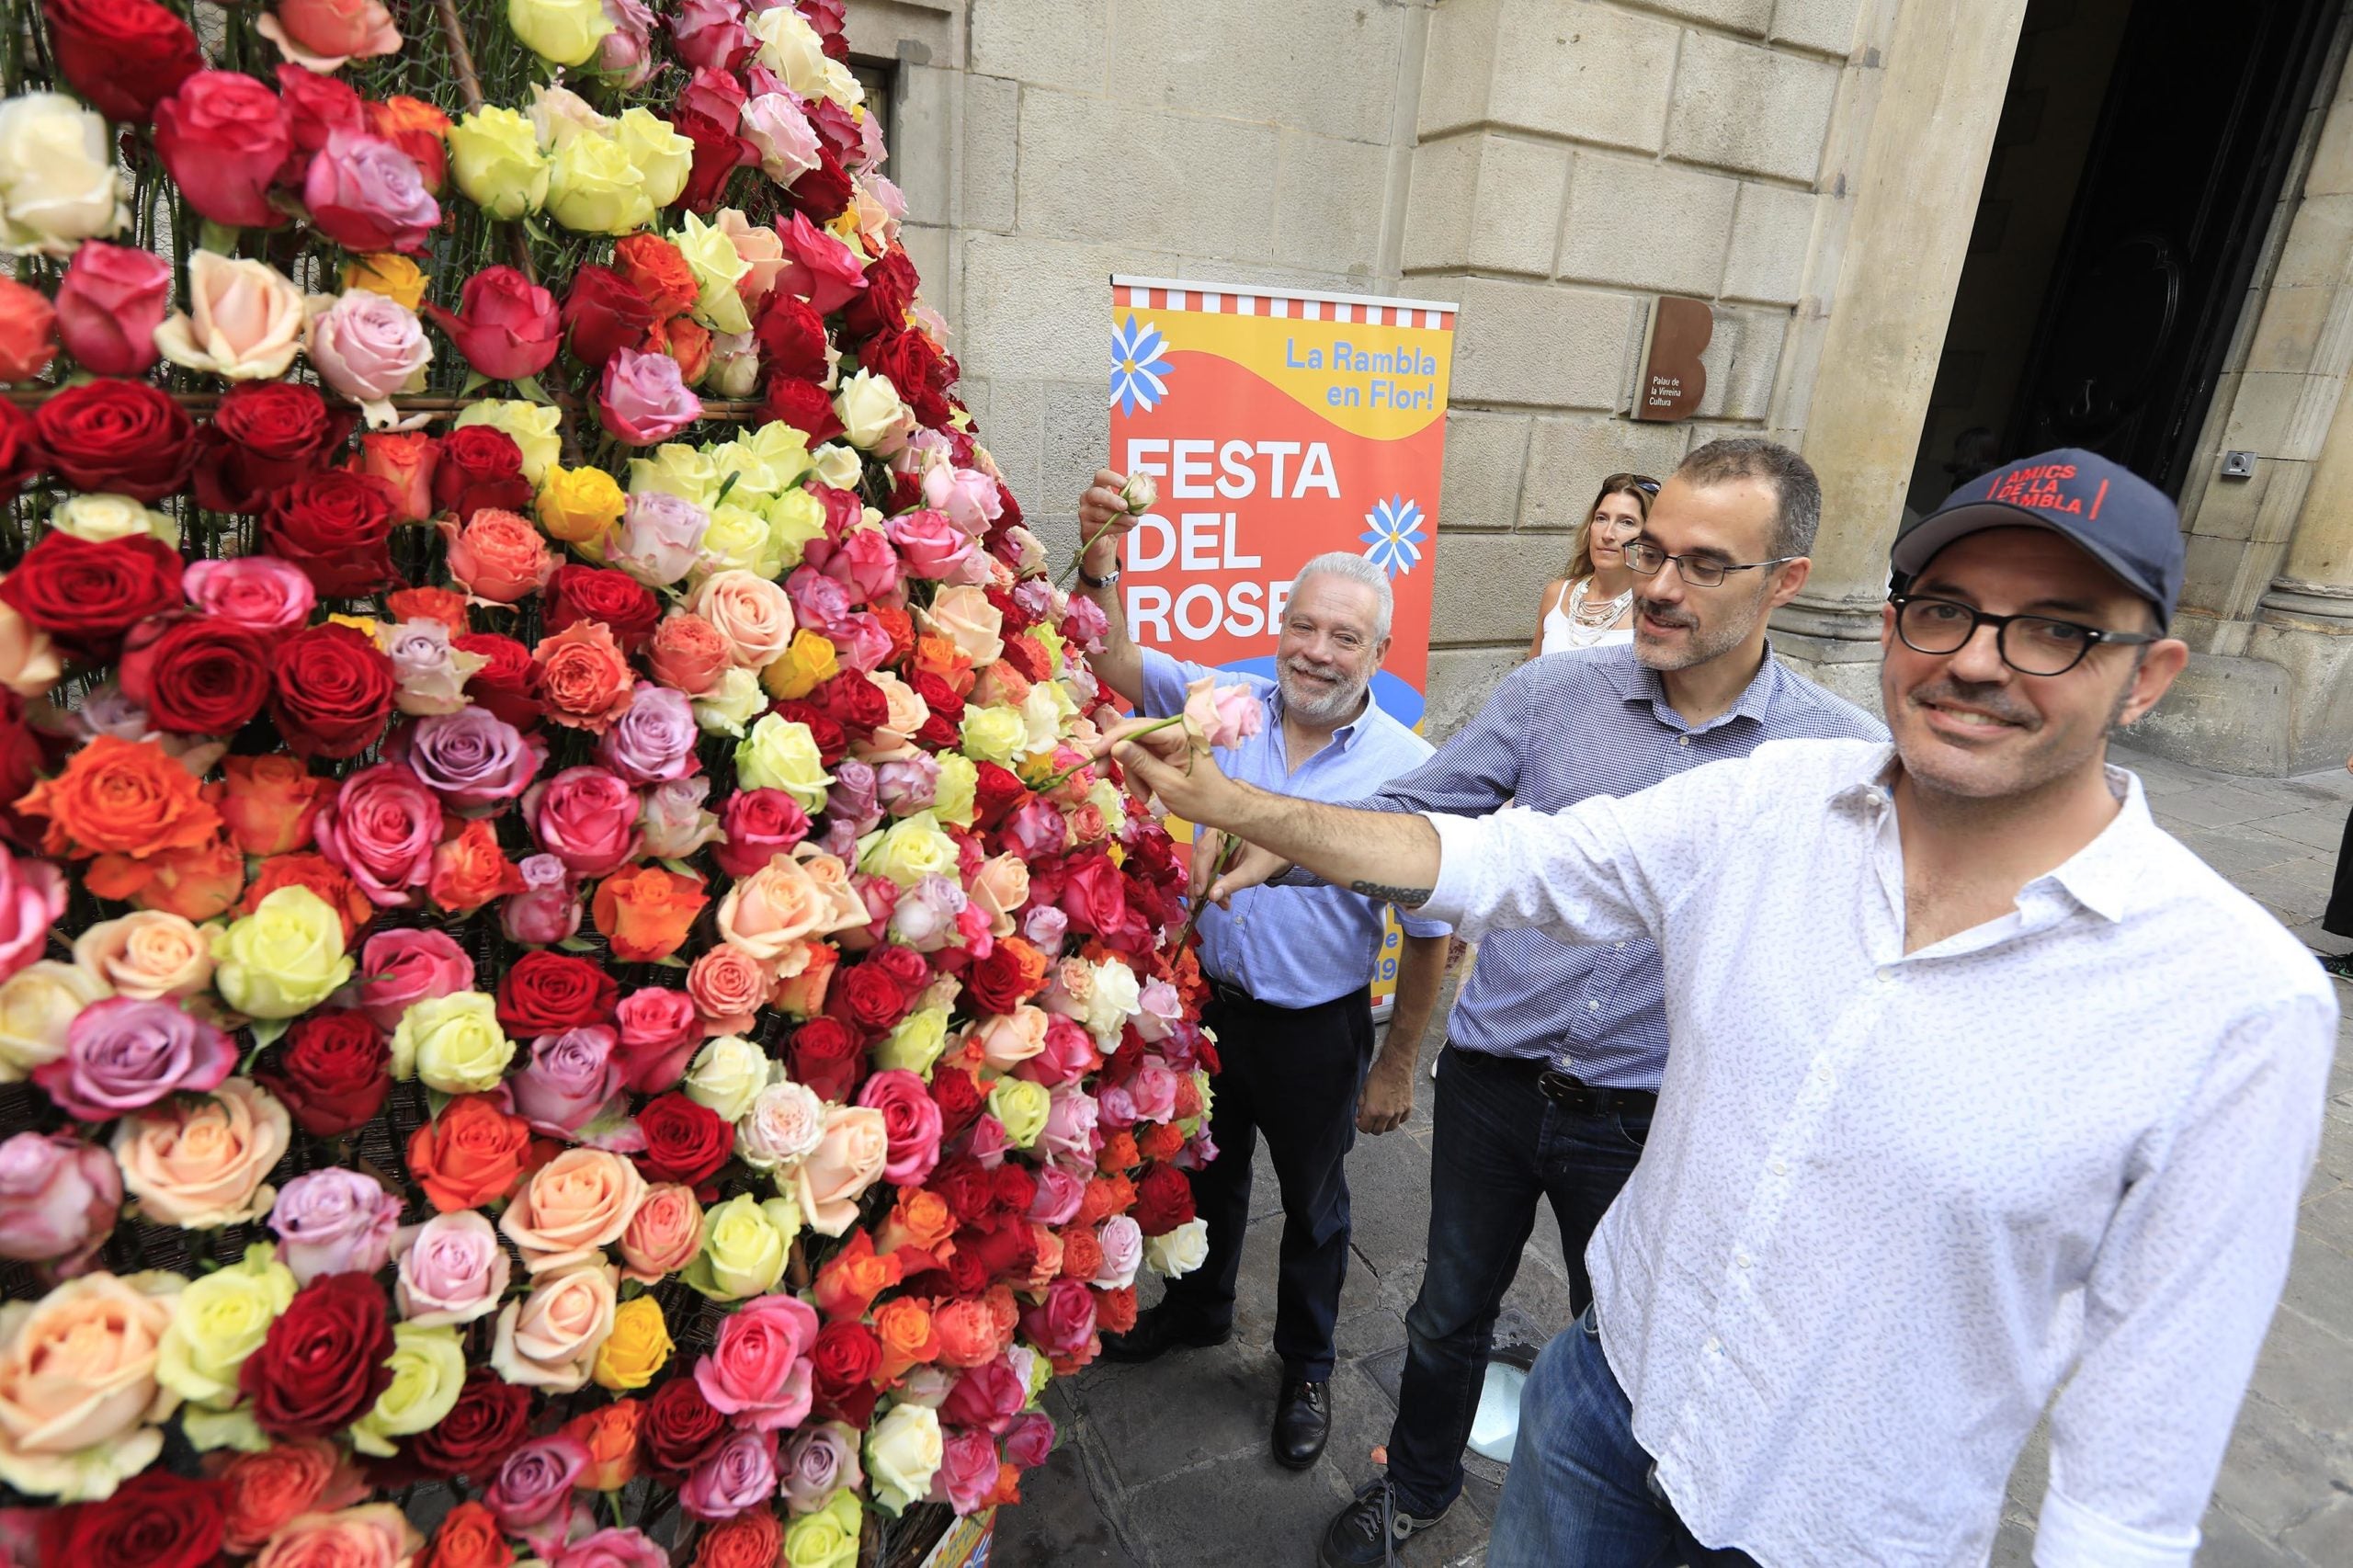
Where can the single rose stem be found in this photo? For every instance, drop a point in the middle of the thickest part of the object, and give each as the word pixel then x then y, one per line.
pixel 1224 859
pixel 1080 559
pixel 1075 767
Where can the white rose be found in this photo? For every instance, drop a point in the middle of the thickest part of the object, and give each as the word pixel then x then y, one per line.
pixel 837 465
pixel 785 1122
pixel 728 1073
pixel 903 1450
pixel 58 186
pixel 1112 1000
pixel 790 48
pixel 1180 1251
pixel 874 418
pixel 98 518
pixel 726 708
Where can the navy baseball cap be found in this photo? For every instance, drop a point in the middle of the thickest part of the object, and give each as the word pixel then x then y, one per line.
pixel 2121 520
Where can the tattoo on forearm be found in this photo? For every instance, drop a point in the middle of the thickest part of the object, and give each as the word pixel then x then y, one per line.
pixel 1408 898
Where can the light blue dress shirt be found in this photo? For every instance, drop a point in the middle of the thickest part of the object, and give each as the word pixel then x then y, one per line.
pixel 1296 947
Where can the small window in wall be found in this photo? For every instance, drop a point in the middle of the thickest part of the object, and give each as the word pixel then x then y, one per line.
pixel 876 78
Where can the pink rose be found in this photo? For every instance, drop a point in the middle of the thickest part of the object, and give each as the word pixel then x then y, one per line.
pixel 1029 1441
pixel 498 556
pixel 1153 1090
pixel 1060 1192
pixel 711 33
pixel 986 1397
pixel 327 35
pixel 967 1471
pixel 59 1198
pixel 613 1547
pixel 931 546
pixel 862 561
pixel 1063 1321
pixel 659 1030
pixel 1123 1242
pixel 383 826
pixel 108 306
pixel 757 1370
pixel 970 498
pixel 258 592
pixel 586 817
pixel 818 267
pixel 32 900
pixel 367 347
pixel 123 1054
pixel 911 1122
pixel 781 135
pixel 740 1474
pixel 452 1270
pixel 365 194
pixel 643 398
pixel 1071 1127
pixel 406 966
pixel 548 908
pixel 1222 715
pixel 664 1234
pixel 532 1495
pixel 334 1220
pixel 570 1078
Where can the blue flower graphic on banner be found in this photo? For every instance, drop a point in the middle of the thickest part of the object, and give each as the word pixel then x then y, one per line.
pixel 1394 542
pixel 1138 366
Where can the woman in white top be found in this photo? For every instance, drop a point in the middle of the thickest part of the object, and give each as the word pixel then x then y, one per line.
pixel 1593 604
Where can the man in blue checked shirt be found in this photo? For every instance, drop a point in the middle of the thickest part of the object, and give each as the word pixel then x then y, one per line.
pixel 1554 1053
pixel 1289 970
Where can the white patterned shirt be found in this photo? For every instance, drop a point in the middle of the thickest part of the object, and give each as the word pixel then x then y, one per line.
pixel 1890 1202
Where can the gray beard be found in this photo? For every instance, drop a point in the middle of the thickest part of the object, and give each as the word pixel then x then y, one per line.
pixel 1336 708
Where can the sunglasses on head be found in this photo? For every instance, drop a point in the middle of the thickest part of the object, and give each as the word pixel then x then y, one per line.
pixel 1647 484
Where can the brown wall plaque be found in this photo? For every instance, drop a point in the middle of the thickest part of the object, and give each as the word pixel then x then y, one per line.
pixel 1673 379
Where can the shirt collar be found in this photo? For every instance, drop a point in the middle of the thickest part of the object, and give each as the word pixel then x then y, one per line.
pixel 1635 681
pixel 1344 736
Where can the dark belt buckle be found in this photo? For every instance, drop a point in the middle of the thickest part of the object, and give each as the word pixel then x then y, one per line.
pixel 1566 1092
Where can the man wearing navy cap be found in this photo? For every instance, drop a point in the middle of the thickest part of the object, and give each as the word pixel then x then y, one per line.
pixel 1959 1112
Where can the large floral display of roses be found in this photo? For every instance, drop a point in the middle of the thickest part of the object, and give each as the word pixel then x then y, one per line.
pixel 567 988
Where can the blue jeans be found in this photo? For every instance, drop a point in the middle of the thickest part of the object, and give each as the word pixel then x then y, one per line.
pixel 1581 1490
pixel 1498 1145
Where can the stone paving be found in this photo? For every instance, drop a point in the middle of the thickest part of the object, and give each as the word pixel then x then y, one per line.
pixel 1165 1465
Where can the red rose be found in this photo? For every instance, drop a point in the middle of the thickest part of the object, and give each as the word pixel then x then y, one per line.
pixel 1003 1249
pixel 626 606
pixel 867 999
pixel 337 527
pixel 826 18
pixel 680 1428
pixel 196 675
pixel 843 1358
pixel 684 1142
pixel 997 982
pixel 1164 1200
pixel 333 1071
pixel 480 467
pixel 118 438
pixel 317 107
pixel 759 825
pixel 942 699
pixel 891 284
pixel 854 702
pixel 831 740
pixel 959 1099
pixel 659 271
pixel 937 733
pixel 1015 1188
pixel 88 596
pixel 335 691
pixel 223 137
pixel 22 762
pixel 20 453
pixel 265 434
pixel 963 1183
pixel 156 1519
pixel 996 794
pixel 603 314
pixel 803 405
pixel 505 324
pixel 718 152
pixel 490 1420
pixel 823 193
pixel 550 992
pixel 828 1056
pixel 124 56
pixel 321 1366
pixel 792 336
pixel 1094 895
pixel 509 685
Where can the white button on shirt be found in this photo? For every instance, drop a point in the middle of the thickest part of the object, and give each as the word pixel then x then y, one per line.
pixel 1876 1224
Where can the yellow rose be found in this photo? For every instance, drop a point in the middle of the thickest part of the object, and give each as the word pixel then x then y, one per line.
pixel 577 504
pixel 452 1042
pixel 396 277
pixel 428 1368
pixel 903 1453
pixel 778 450
pixel 562 32
pixel 743 1244
pixel 726 708
pixel 795 517
pixel 838 466
pixel 636 1349
pixel 739 540
pixel 952 797
pixel 1052 640
pixel 994 733
pixel 916 1043
pixel 217 1322
pixel 495 157
pixel 675 468
pixel 807 662
pixel 911 849
pixel 98 518
pixel 592 188
pixel 780 754
pixel 728 1073
pixel 1021 1106
pixel 874 418
pixel 662 157
pixel 38 1005
pixel 282 960
pixel 718 267
pixel 535 427
pixel 829 1537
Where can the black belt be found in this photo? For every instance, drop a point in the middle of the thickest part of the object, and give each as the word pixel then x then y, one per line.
pixel 1232 995
pixel 1573 1093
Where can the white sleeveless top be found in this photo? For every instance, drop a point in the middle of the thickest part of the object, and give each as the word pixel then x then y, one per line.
pixel 1561 631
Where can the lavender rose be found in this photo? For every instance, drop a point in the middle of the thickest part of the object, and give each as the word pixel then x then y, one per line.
pixel 124 1054
pixel 532 1495
pixel 818 1458
pixel 548 909
pixel 1123 1242
pixel 908 787
pixel 660 538
pixel 474 760
pixel 675 823
pixel 570 1078
pixel 59 1198
pixel 655 740
pixel 334 1220
pixel 738 1475
pixel 452 1270
pixel 643 399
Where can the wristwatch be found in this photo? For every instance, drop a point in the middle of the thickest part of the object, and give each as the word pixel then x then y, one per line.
pixel 1092 581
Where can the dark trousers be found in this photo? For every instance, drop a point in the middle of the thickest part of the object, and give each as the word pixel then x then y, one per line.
pixel 2338 920
pixel 1292 1076
pixel 1497 1144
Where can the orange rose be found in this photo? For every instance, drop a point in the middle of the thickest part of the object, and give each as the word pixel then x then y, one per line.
pixel 1106 1196
pixel 418 129
pixel 685 339
pixel 663 1235
pixel 920 1220
pixel 377 1535
pixel 727 986
pixel 645 912
pixel 804 975
pixel 687 654
pixel 1119 1152
pixel 967 1333
pixel 270 803
pixel 1003 1308
pixel 1049 1257
pixel 405 460
pixel 498 556
pixel 585 677
pixel 1082 1254
pixel 753 1539
pixel 330 882
pixel 467 1536
pixel 444 605
pixel 130 797
pixel 470 869
pixel 658 270
pixel 900 627
pixel 1002 684
pixel 472 1153
pixel 936 656
pixel 904 1326
pixel 853 1276
pixel 1007 1492
pixel 609 1434
pixel 196 884
pixel 1115 1310
pixel 1160 1141
pixel 260 1492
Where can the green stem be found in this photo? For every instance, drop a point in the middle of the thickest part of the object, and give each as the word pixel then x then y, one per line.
pixel 1193 919
pixel 1068 772
pixel 1080 559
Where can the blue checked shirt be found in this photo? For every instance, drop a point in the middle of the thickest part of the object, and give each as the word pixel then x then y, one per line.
pixel 1295 947
pixel 1559 729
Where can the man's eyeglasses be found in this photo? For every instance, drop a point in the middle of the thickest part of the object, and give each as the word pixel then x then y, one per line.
pixel 2030 644
pixel 1648 559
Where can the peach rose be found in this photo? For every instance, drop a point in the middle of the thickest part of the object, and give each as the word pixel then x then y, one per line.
pixel 260 1492
pixel 687 654
pixel 1000 887
pixel 846 911
pixel 375 1535
pixel 548 1339
pixel 965 617
pixel 968 1332
pixel 757 244
pixel 663 1235
pixel 774 907
pixel 728 984
pixel 848 1158
pixel 893 737
pixel 584 679
pixel 498 556
pixel 147 954
pixel 804 972
pixel 1006 1041
pixel 199 1162
pixel 77 1385
pixel 752 616
pixel 572 1207
pixel 29 663
pixel 270 803
pixel 245 319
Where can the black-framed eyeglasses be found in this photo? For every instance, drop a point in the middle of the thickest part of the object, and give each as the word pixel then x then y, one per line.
pixel 1648 559
pixel 2030 644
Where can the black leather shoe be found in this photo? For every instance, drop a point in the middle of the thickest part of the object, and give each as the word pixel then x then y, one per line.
pixel 1159 1330
pixel 1367 1532
pixel 1302 1422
